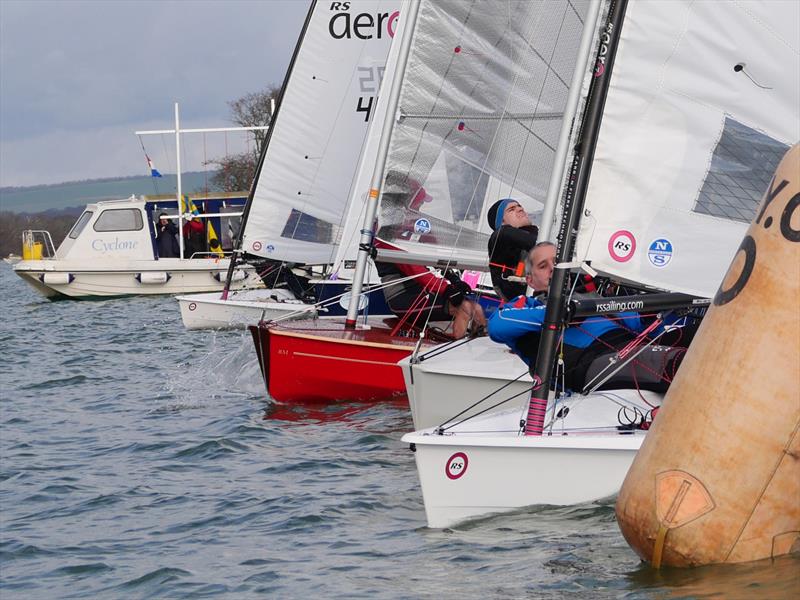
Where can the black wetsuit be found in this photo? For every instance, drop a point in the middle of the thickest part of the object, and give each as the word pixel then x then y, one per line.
pixel 507 247
pixel 166 241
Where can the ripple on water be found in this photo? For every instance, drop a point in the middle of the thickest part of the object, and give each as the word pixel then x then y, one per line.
pixel 56 383
pixel 211 450
pixel 161 470
pixel 155 578
pixel 82 570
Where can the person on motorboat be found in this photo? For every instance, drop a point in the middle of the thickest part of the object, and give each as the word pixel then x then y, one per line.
pixel 416 295
pixel 513 236
pixel 193 231
pixel 166 238
pixel 590 345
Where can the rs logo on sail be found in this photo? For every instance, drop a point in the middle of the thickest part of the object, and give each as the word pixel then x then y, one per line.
pixel 364 26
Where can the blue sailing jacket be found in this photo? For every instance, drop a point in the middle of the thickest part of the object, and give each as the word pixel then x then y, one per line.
pixel 525 315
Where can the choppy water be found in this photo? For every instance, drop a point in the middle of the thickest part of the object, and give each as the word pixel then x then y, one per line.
pixel 140 460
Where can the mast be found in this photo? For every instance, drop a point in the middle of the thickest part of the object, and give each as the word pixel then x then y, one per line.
pixel 367 231
pixel 178 168
pixel 237 249
pixel 571 109
pixel 574 197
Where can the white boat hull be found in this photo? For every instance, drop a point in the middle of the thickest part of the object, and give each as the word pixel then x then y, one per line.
pixel 452 378
pixel 96 279
pixel 484 466
pixel 246 307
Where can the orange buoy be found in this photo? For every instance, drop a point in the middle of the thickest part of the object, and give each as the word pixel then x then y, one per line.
pixel 718 478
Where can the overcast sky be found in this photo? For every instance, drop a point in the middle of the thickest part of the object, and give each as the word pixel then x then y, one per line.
pixel 77 78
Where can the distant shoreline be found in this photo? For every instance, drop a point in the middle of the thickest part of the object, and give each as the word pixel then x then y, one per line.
pixel 42 186
pixel 58 197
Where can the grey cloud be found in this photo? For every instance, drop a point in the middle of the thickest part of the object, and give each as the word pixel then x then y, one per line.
pixel 75 68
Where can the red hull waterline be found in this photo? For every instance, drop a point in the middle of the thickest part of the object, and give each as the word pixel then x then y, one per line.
pixel 326 363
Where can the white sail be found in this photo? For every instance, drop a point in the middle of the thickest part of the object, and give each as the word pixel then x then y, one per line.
pixel 702 96
pixel 479 119
pixel 347 253
pixel 317 137
pixel 703 103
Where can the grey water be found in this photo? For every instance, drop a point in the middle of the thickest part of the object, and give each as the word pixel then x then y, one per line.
pixel 139 460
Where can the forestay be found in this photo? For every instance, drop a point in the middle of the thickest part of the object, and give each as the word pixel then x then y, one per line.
pixel 306 174
pixel 702 105
pixel 479 118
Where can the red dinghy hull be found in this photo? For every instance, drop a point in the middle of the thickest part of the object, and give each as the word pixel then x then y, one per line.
pixel 323 362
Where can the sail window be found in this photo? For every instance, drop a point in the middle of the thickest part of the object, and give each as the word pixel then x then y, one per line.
pixel 80 224
pixel 304 227
pixel 741 167
pixel 119 219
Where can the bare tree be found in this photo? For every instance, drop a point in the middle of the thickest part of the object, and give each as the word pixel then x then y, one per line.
pixel 254 110
pixel 236 172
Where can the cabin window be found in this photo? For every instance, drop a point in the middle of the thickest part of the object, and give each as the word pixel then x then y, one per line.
pixel 80 224
pixel 119 219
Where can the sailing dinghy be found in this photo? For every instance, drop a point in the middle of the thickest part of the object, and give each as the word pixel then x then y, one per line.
pixel 685 151
pixel 308 166
pixel 460 127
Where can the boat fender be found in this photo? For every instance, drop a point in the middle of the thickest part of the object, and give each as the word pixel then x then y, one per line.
pixel 57 278
pixel 238 275
pixel 153 277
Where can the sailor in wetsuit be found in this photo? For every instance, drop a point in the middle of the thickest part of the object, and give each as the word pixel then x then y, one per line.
pixel 414 293
pixel 589 345
pixel 512 238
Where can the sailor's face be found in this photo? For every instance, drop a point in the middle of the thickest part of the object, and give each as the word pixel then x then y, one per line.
pixel 515 216
pixel 542 261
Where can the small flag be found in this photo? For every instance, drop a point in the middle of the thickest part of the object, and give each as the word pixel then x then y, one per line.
pixel 153 171
pixel 211 234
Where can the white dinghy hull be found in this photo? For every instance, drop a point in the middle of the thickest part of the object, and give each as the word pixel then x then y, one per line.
pixel 484 466
pixel 246 307
pixel 452 378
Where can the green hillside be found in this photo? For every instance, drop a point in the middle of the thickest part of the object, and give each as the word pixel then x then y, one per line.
pixel 36 199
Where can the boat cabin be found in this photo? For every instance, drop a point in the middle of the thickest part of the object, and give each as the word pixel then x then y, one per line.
pixel 126 229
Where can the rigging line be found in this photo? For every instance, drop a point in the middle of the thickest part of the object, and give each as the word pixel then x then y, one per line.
pixel 621 402
pixel 332 300
pixel 442 428
pixel 541 92
pixel 491 146
pixel 622 364
pixel 205 162
pixel 168 157
pixel 153 179
pixel 443 349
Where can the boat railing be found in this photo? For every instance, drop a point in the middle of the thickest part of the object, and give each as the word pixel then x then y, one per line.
pixel 37 244
pixel 209 254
